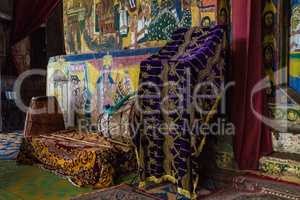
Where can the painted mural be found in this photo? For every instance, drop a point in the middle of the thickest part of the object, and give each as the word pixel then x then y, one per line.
pixel 100 25
pixel 270 41
pixel 282 108
pixel 89 84
pixel 295 46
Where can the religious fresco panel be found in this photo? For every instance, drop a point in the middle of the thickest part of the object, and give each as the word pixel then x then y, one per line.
pixel 101 25
pixel 294 71
pixel 86 85
pixel 270 29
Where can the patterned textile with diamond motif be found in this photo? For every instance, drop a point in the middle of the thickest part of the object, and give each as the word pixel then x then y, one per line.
pixel 179 93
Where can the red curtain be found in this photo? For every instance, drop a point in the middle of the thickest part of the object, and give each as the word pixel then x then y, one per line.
pixel 29 16
pixel 253 138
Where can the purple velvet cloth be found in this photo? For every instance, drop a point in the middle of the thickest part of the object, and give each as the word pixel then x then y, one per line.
pixel 162 138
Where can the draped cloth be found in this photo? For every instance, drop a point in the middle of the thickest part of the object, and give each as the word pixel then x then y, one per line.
pixel 29 16
pixel 253 139
pixel 84 159
pixel 167 132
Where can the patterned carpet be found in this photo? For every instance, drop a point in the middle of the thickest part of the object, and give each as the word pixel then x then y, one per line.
pixel 253 187
pixel 119 192
pixel 239 188
pixel 244 188
pixel 9 145
pixel 33 183
pixel 232 194
pixel 167 192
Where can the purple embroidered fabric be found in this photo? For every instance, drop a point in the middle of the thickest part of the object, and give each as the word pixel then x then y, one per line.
pixel 166 105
